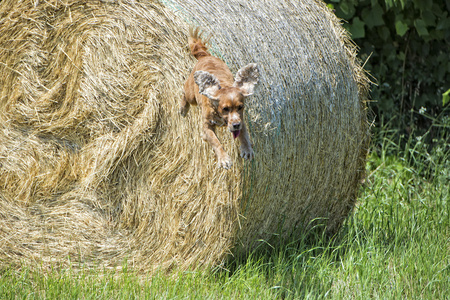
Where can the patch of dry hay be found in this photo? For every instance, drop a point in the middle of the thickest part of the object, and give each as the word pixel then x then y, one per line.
pixel 97 166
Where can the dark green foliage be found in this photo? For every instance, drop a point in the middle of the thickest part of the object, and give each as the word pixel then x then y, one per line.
pixel 405 44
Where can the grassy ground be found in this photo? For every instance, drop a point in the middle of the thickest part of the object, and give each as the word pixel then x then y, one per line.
pixel 396 245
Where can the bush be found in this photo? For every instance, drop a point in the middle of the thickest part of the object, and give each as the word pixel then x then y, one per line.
pixel 405 46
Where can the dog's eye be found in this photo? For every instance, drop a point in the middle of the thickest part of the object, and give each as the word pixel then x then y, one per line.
pixel 226 109
pixel 240 107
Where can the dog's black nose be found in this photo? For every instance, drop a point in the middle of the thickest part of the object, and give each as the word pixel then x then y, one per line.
pixel 236 126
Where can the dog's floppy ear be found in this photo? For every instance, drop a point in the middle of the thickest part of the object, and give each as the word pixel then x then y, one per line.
pixel 246 79
pixel 208 84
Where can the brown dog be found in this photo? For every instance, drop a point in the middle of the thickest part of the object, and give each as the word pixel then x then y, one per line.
pixel 221 98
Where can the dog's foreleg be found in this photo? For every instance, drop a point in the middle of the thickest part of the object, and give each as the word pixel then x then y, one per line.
pixel 246 145
pixel 223 159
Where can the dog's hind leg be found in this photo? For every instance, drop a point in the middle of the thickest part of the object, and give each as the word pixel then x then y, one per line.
pixel 188 96
pixel 184 105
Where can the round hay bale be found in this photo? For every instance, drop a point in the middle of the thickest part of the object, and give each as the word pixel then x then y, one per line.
pixel 97 167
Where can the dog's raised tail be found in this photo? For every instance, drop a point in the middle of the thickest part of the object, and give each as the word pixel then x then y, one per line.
pixel 196 44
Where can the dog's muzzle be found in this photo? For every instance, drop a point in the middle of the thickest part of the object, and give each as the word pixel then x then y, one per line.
pixel 235 129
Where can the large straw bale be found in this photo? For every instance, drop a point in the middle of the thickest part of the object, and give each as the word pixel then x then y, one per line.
pixel 97 167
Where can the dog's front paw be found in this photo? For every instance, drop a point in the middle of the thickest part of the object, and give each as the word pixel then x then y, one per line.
pixel 224 162
pixel 247 153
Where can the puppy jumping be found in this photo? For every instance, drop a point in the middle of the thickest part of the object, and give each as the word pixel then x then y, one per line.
pixel 220 96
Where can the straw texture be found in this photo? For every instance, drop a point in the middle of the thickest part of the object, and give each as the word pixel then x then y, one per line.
pixel 97 167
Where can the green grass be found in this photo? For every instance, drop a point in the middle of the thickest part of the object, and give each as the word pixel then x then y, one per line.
pixel 396 245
